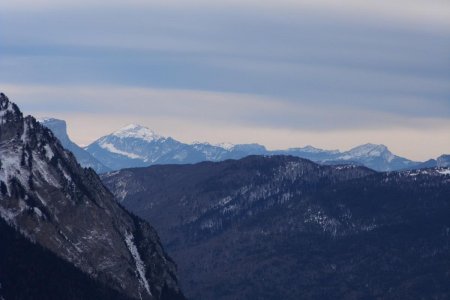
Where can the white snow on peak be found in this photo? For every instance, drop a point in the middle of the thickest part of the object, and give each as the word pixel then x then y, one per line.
pixel 138 132
pixel 369 150
pixel 226 146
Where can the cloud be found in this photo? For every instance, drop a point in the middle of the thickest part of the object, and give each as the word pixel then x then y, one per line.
pixel 294 69
pixel 216 107
pixel 424 12
pixel 389 70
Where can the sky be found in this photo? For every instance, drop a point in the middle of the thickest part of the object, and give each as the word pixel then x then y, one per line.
pixel 332 74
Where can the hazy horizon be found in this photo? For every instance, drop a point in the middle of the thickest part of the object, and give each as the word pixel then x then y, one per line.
pixel 112 130
pixel 217 143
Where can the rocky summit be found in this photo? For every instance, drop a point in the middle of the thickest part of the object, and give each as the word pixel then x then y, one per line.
pixel 54 202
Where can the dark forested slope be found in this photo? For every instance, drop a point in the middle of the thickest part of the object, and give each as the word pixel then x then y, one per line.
pixel 287 228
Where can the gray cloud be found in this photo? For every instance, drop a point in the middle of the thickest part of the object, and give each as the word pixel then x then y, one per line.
pixel 294 65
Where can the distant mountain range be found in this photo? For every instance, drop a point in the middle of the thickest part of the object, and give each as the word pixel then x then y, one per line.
pixel 281 227
pixel 441 161
pixel 137 146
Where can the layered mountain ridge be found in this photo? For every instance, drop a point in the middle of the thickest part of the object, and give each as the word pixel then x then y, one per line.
pixel 441 162
pixel 47 196
pixel 137 146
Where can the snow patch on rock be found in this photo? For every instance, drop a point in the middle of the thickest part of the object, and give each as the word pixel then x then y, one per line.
pixel 140 266
pixel 111 148
pixel 48 152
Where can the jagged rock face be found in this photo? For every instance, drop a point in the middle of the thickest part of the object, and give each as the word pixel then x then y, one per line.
pixel 286 228
pixel 29 271
pixel 59 129
pixel 52 200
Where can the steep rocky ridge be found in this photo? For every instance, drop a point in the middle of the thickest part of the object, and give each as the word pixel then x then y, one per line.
pixel 52 200
pixel 29 271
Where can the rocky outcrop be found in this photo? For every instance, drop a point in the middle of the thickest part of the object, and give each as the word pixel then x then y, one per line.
pixel 52 200
pixel 86 160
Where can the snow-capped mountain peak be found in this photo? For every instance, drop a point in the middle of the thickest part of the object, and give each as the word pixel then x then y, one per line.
pixel 138 146
pixel 377 157
pixel 372 150
pixel 226 146
pixel 137 131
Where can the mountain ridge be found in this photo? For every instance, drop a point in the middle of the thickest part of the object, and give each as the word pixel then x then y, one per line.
pixel 282 227
pixel 137 146
pixel 65 208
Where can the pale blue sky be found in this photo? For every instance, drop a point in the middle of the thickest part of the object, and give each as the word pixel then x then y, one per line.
pixel 281 73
